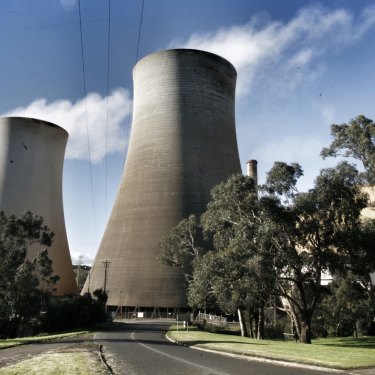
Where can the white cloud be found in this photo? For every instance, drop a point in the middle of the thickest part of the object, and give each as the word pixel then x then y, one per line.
pixel 72 117
pixel 264 50
pixel 301 58
pixel 82 259
pixel 366 21
pixel 272 59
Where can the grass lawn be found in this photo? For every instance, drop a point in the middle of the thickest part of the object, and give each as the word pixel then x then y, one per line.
pixel 78 363
pixel 28 340
pixel 341 353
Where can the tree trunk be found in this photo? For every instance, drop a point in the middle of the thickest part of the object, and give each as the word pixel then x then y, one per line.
pixel 242 325
pixel 337 333
pixel 256 325
pixel 371 294
pixel 260 333
pixel 250 323
pixel 355 330
pixel 251 326
pixel 305 336
pixel 296 324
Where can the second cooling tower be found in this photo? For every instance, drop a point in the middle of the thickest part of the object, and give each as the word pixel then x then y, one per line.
pixel 183 143
pixel 31 165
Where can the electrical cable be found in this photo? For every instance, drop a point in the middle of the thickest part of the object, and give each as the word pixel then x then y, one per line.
pixel 87 122
pixel 106 131
pixel 139 31
pixel 136 60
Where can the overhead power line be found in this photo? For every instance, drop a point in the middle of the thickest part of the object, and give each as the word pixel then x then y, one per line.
pixel 86 116
pixel 136 60
pixel 139 31
pixel 106 131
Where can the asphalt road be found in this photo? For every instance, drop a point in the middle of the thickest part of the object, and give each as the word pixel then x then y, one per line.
pixel 140 348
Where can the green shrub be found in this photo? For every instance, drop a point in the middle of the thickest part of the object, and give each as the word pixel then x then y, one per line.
pixel 274 332
pixel 71 312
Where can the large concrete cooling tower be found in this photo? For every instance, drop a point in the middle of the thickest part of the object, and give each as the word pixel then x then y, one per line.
pixel 31 163
pixel 183 142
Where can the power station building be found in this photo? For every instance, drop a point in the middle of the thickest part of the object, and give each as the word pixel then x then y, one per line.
pixel 31 164
pixel 183 143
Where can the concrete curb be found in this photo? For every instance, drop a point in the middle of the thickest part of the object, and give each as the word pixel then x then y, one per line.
pixel 103 359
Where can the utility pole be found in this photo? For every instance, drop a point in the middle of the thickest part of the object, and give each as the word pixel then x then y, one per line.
pixel 106 263
pixel 79 268
pixel 88 286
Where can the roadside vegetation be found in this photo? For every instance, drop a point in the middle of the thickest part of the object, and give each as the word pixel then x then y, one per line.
pixel 28 305
pixel 8 343
pixel 266 247
pixel 340 353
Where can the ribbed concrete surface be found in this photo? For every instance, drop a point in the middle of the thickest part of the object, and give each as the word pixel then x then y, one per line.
pixel 31 164
pixel 183 142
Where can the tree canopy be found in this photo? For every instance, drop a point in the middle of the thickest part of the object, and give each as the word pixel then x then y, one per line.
pixel 23 280
pixel 273 241
pixel 355 140
pixel 317 235
pixel 183 245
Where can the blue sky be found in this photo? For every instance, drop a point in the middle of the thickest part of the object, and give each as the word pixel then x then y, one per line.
pixel 302 65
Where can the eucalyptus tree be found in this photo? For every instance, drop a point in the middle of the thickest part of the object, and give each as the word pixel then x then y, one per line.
pixel 344 309
pixel 183 245
pixel 239 270
pixel 229 276
pixel 275 241
pixel 355 139
pixel 296 236
pixel 315 232
pixel 23 280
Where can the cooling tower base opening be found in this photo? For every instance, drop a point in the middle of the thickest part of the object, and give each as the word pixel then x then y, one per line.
pixel 139 312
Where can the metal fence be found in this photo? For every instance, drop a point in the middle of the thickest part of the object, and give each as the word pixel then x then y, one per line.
pixel 211 319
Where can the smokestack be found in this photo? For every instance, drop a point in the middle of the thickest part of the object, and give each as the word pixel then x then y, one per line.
pixel 183 143
pixel 252 170
pixel 31 164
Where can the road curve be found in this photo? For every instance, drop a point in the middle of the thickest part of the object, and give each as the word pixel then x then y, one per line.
pixel 140 348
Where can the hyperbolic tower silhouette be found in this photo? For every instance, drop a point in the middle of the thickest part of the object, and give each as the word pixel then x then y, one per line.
pixel 31 164
pixel 183 143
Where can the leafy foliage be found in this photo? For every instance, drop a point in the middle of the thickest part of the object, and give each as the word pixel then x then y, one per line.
pixel 100 295
pixel 318 233
pixel 282 179
pixel 355 140
pixel 275 242
pixel 24 282
pixel 345 308
pixel 183 245
pixel 72 312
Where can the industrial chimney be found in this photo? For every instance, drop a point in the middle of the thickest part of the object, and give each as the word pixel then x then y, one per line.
pixel 252 170
pixel 31 163
pixel 183 143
